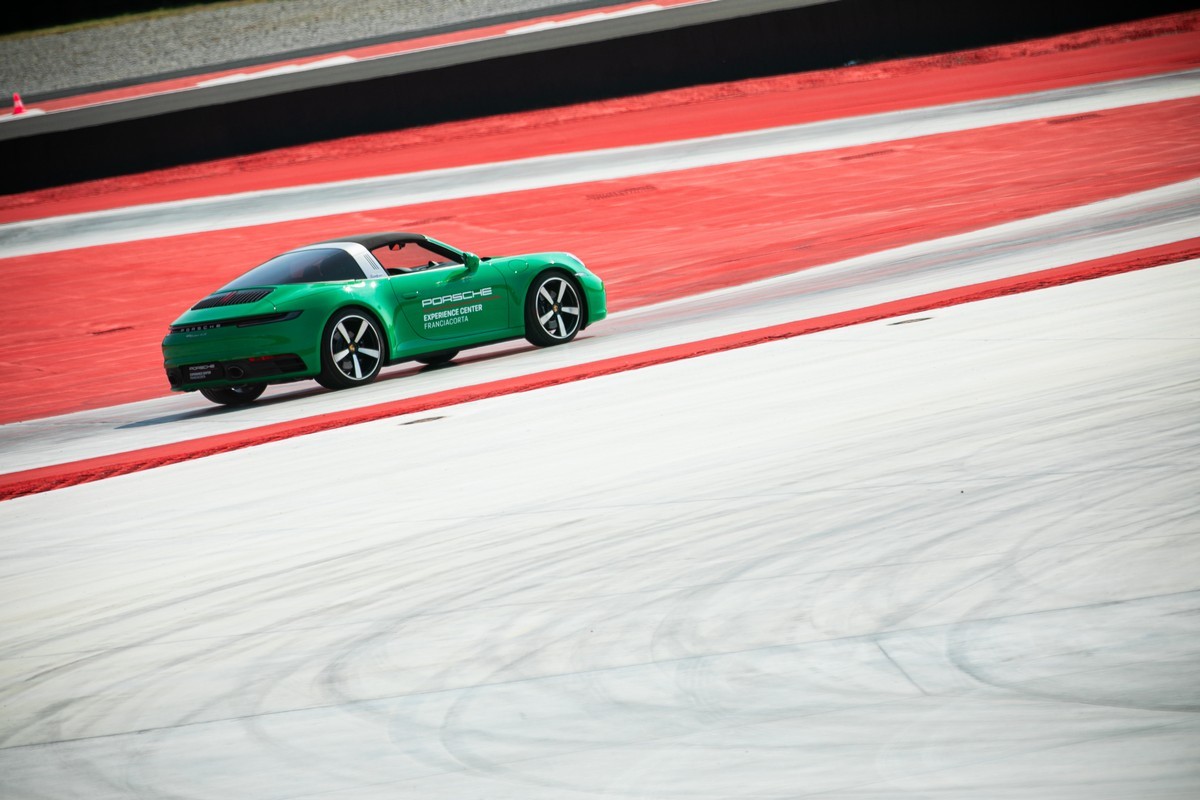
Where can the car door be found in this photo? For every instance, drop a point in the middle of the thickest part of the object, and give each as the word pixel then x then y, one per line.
pixel 451 302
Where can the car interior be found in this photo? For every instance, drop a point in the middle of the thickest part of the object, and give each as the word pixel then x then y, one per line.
pixel 401 258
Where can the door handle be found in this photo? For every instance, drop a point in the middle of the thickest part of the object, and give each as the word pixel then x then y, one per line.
pixel 410 295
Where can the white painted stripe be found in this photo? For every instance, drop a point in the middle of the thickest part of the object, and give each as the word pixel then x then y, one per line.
pixel 340 197
pixel 1131 222
pixel 598 17
pixel 281 70
pixel 28 112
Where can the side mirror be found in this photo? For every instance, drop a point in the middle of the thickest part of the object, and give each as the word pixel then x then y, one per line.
pixel 470 261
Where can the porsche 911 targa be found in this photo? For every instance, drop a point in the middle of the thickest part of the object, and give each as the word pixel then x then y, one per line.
pixel 340 310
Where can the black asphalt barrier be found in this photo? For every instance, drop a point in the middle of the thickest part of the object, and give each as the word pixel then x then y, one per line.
pixel 691 45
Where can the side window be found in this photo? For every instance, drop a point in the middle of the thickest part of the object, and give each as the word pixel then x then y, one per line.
pixel 411 257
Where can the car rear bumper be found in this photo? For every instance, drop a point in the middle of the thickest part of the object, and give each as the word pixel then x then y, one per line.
pixel 258 369
pixel 201 356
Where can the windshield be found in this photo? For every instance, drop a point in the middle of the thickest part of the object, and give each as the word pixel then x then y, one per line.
pixel 303 266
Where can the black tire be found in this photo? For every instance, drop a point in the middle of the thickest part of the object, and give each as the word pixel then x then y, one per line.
pixel 235 395
pixel 434 359
pixel 352 350
pixel 553 309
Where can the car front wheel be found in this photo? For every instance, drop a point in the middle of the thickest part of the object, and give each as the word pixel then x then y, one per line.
pixel 553 310
pixel 351 350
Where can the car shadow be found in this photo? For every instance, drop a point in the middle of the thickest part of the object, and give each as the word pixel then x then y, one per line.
pixel 408 370
pixel 216 410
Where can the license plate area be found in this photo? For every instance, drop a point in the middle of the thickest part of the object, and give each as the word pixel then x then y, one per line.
pixel 204 372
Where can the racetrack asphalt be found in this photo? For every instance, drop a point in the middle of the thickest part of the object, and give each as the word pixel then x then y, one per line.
pixel 888 493
pixel 954 557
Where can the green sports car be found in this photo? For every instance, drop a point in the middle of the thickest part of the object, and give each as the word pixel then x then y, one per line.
pixel 338 311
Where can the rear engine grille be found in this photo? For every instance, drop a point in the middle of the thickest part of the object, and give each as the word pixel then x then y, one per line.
pixel 237 298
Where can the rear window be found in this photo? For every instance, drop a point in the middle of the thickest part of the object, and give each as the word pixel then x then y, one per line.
pixel 304 266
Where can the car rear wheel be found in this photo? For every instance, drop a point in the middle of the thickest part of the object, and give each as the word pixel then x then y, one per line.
pixel 553 310
pixel 351 350
pixel 433 359
pixel 235 395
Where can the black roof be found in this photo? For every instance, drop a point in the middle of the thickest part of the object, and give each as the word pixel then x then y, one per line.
pixel 374 240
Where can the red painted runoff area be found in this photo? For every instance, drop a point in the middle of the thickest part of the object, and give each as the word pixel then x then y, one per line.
pixel 1120 51
pixel 44 479
pixel 83 327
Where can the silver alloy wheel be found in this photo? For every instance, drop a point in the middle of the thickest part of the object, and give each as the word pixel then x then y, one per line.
pixel 557 308
pixel 355 347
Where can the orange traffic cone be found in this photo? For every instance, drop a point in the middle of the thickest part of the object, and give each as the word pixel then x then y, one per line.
pixel 18 106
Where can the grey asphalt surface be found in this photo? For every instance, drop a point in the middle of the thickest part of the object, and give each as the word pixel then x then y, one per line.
pixel 43 63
